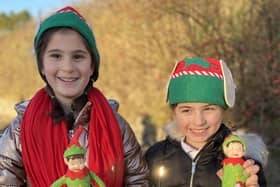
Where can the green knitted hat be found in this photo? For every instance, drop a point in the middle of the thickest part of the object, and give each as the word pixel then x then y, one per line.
pixel 69 17
pixel 74 147
pixel 233 138
pixel 205 80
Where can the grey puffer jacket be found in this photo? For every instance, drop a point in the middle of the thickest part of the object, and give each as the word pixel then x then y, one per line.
pixel 12 170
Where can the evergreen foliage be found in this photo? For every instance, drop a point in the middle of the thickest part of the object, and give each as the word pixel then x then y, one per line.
pixel 12 20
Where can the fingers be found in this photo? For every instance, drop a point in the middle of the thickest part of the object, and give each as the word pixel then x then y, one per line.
pixel 251 169
pixel 248 163
pixel 220 173
pixel 252 181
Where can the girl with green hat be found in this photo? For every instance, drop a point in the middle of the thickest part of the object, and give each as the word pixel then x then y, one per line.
pixel 198 92
pixel 32 146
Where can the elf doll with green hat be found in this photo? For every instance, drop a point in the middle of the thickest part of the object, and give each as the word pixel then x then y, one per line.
pixel 199 91
pixel 234 148
pixel 77 175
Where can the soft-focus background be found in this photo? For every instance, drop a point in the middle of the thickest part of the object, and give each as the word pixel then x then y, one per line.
pixel 140 41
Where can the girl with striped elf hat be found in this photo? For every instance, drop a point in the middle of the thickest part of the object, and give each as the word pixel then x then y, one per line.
pixel 32 146
pixel 199 92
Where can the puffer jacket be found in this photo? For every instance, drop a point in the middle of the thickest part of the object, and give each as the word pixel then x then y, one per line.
pixel 180 170
pixel 12 171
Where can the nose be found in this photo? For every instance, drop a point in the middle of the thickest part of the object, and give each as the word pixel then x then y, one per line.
pixel 67 65
pixel 199 118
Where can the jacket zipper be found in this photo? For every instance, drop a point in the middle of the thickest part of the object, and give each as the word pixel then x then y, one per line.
pixel 194 163
pixel 193 170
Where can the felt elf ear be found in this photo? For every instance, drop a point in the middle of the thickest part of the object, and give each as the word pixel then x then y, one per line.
pixel 229 85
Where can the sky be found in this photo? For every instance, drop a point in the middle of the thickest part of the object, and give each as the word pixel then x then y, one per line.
pixel 34 7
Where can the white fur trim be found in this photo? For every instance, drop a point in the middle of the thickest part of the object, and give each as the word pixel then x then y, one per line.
pixel 255 146
pixel 172 130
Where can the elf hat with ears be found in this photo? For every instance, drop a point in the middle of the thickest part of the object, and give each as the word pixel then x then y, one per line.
pixel 201 80
pixel 69 17
pixel 74 147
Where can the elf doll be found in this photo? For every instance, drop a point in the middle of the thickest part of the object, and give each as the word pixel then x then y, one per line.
pixel 77 175
pixel 234 148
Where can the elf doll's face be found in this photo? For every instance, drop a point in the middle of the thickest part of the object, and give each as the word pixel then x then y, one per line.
pixel 75 163
pixel 234 150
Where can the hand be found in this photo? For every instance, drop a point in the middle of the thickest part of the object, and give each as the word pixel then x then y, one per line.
pixel 251 169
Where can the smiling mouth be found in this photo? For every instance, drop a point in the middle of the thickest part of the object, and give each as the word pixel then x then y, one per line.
pixel 198 130
pixel 67 79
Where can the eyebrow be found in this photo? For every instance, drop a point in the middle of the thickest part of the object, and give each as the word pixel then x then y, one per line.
pixel 184 107
pixel 187 106
pixel 75 51
pixel 80 51
pixel 53 50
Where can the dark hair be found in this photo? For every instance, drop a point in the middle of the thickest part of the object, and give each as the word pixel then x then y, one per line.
pixel 173 106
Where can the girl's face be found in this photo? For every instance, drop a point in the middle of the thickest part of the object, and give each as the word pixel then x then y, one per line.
pixel 198 121
pixel 67 65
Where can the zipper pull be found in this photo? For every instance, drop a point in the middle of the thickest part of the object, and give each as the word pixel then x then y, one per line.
pixel 193 167
pixel 192 172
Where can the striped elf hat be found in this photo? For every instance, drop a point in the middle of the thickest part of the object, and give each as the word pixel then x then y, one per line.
pixel 203 80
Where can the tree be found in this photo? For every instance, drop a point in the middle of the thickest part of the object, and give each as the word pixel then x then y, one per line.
pixel 12 20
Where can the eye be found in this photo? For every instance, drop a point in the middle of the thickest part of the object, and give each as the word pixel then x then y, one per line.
pixel 78 57
pixel 55 55
pixel 186 110
pixel 210 108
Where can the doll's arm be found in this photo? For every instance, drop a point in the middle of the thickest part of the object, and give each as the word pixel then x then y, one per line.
pixel 97 179
pixel 59 182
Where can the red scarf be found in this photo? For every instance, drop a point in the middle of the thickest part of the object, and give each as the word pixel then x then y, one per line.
pixel 44 143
